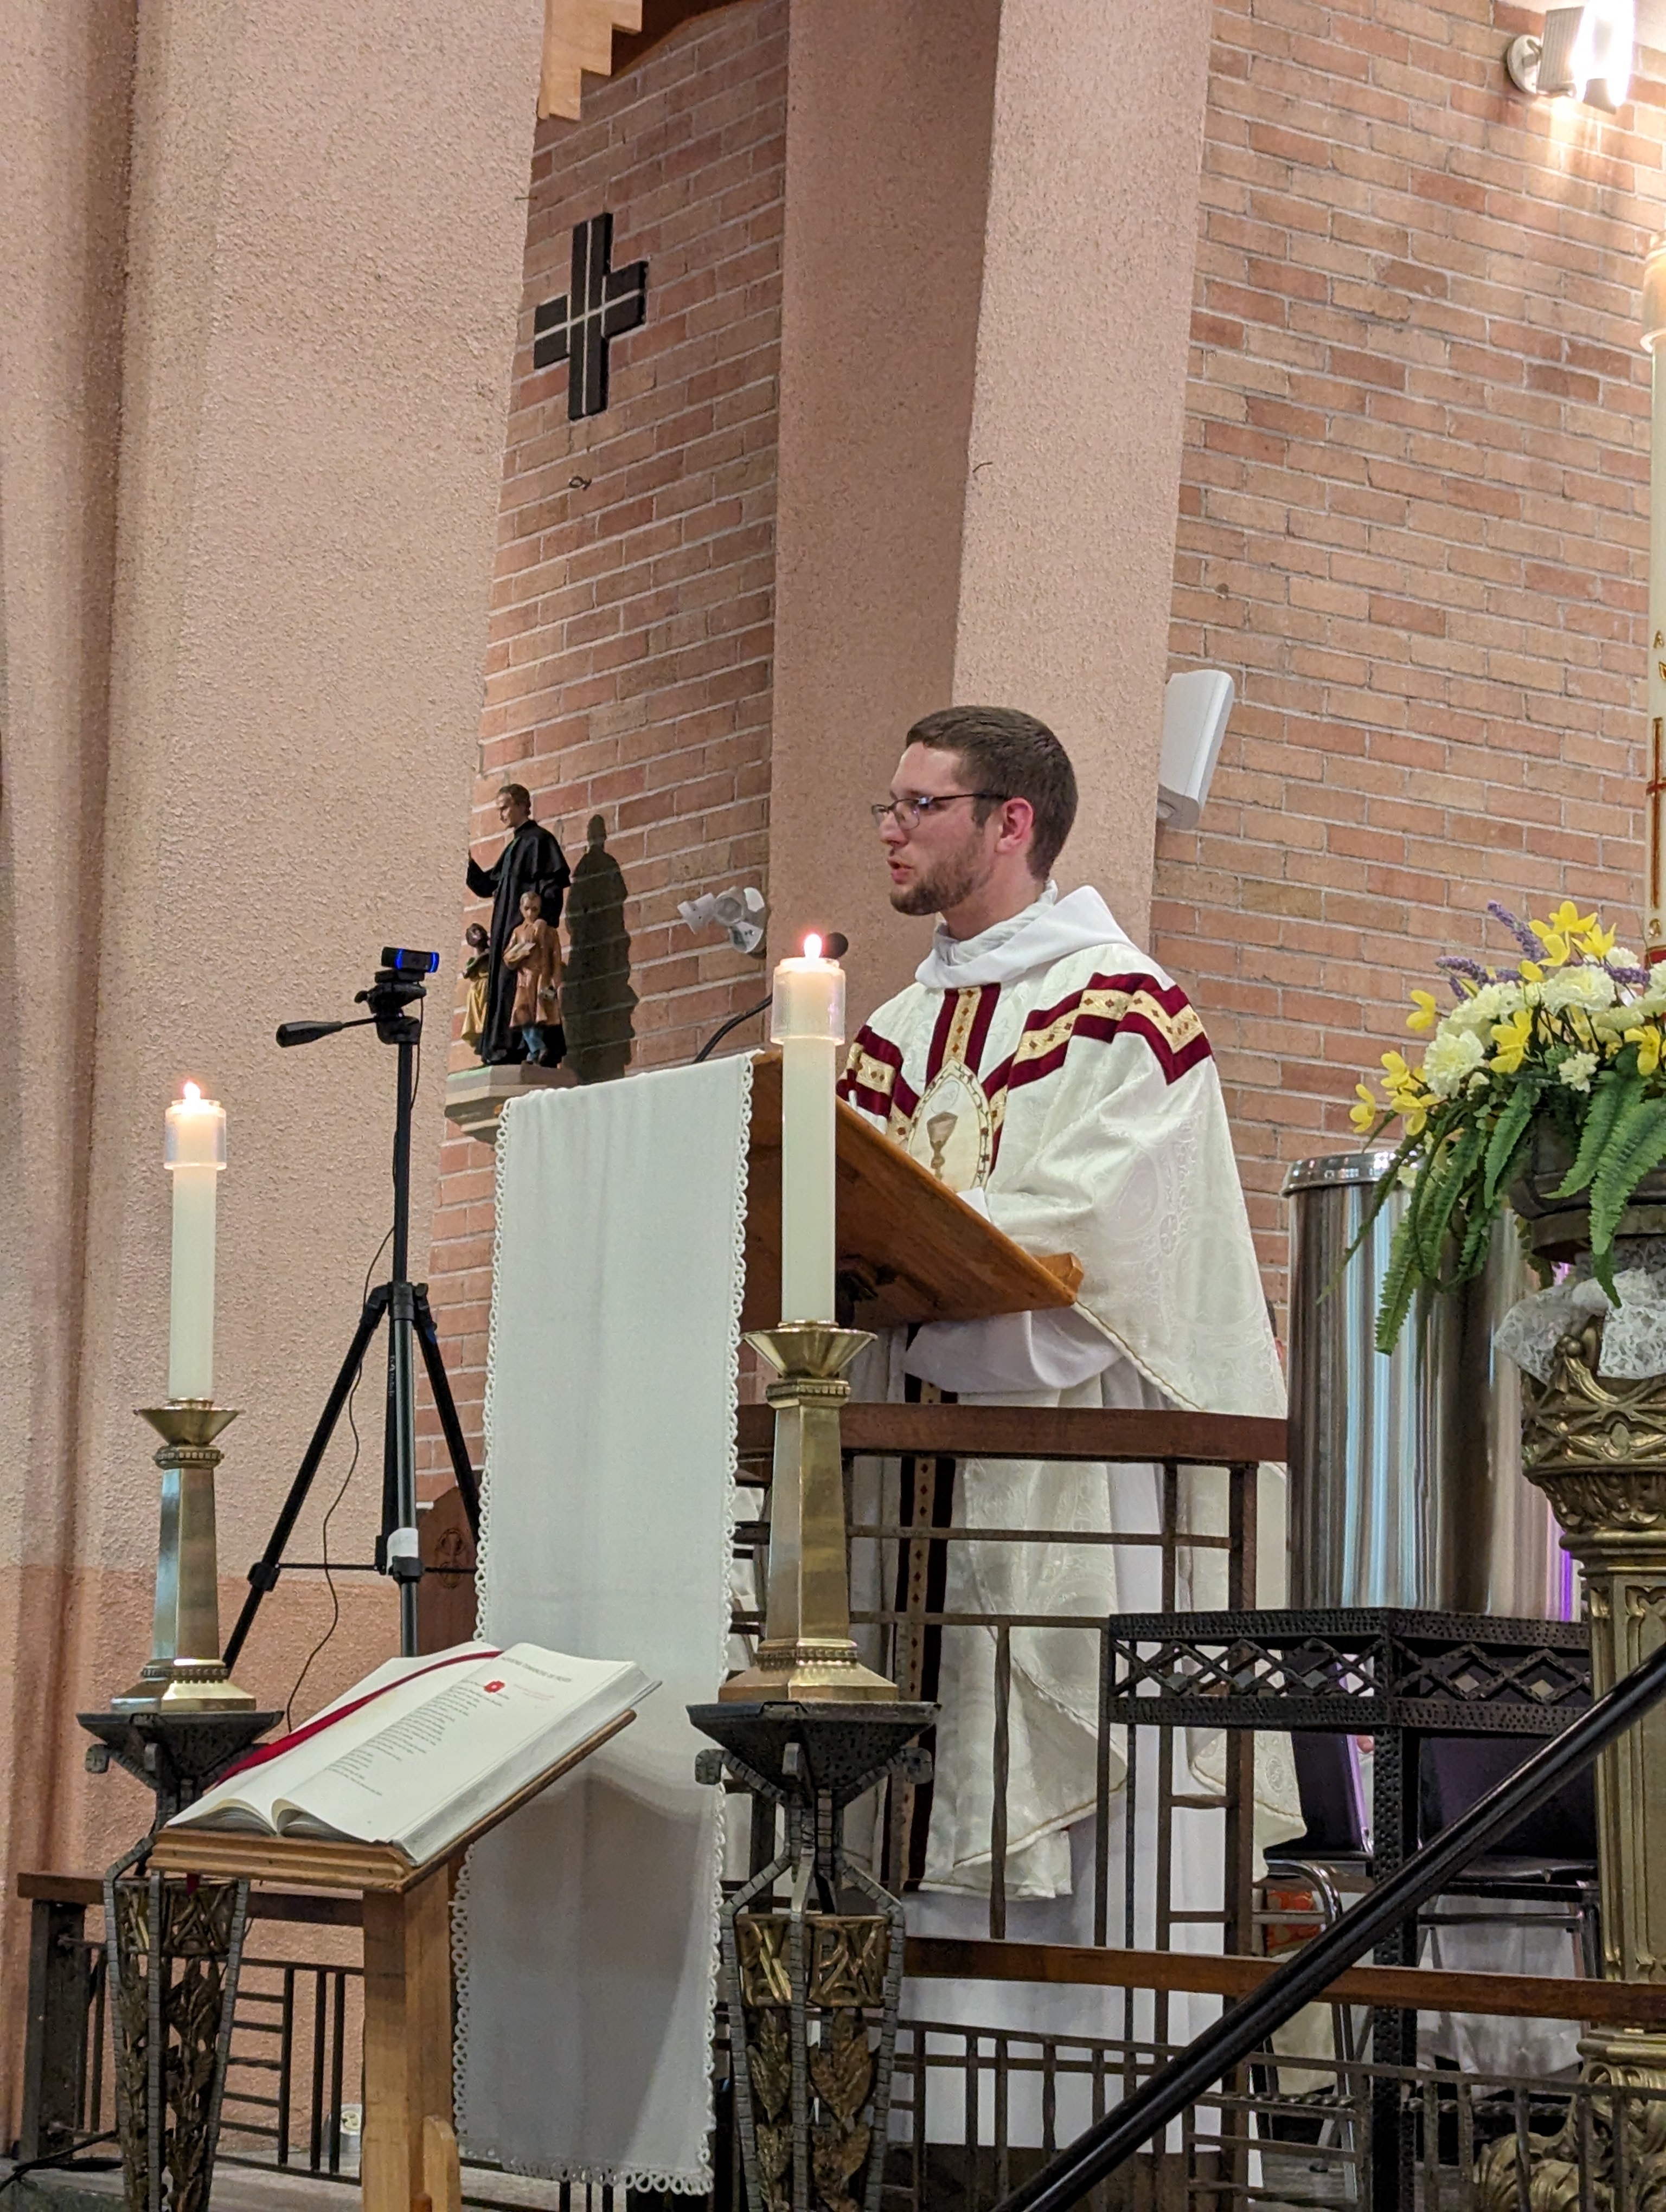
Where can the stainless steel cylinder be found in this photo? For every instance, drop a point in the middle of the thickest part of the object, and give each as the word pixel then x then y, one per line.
pixel 1406 1487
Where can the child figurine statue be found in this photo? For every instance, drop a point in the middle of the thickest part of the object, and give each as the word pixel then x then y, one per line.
pixel 476 973
pixel 534 953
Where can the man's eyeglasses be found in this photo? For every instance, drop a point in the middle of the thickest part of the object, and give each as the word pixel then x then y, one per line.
pixel 909 812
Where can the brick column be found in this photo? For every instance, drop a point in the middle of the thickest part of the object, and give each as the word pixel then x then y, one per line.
pixel 983 360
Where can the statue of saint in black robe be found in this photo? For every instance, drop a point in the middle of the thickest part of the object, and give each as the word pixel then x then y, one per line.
pixel 531 861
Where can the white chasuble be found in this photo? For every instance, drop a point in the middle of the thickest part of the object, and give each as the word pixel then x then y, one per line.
pixel 1054 1075
pixel 586 1933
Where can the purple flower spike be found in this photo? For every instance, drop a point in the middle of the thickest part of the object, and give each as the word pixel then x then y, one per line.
pixel 1634 978
pixel 1523 935
pixel 1453 964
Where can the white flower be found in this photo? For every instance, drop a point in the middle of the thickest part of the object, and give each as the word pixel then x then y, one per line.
pixel 1449 1059
pixel 1622 957
pixel 1586 985
pixel 1489 1005
pixel 1577 1070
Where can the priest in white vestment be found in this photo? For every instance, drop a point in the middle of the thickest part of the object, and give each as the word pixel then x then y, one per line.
pixel 1050 1071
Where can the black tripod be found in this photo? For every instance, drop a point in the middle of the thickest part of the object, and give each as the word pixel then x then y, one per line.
pixel 405 1304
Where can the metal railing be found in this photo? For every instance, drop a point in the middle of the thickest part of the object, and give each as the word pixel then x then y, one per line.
pixel 1101 2148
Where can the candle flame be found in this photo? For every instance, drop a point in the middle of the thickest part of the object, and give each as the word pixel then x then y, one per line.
pixel 193 1094
pixel 812 946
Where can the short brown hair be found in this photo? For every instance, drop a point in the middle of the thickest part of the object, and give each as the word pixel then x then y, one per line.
pixel 1014 755
pixel 519 793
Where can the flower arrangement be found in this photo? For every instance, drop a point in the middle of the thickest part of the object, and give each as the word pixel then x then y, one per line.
pixel 1568 1044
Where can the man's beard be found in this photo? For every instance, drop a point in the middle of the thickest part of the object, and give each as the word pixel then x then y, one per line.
pixel 938 889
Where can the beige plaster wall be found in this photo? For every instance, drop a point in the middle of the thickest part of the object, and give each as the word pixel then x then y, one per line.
pixel 888 121
pixel 991 216
pixel 1073 482
pixel 326 221
pixel 64 74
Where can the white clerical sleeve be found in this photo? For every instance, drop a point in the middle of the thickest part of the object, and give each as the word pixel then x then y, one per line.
pixel 1054 1349
pixel 1133 1172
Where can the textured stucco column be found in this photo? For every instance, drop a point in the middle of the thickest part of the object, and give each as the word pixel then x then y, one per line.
pixel 326 225
pixel 999 527
pixel 65 73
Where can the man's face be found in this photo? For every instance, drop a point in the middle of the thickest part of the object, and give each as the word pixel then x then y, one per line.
pixel 940 860
pixel 512 811
pixel 532 906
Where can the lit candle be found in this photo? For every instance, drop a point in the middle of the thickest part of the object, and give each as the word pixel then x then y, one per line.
pixel 194 1153
pixel 1654 813
pixel 807 1022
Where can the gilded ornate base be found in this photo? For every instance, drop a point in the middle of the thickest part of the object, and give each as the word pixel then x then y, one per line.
pixel 176 1947
pixel 813 1990
pixel 1610 2152
pixel 1597 1450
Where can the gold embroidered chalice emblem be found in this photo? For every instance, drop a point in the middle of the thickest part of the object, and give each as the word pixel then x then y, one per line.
pixel 939 1130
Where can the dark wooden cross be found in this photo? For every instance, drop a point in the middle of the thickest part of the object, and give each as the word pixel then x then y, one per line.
pixel 601 304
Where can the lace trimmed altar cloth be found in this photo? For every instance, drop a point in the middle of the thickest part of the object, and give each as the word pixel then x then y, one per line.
pixel 1633 1332
pixel 586 1929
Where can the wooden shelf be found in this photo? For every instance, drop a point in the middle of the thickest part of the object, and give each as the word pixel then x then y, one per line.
pixel 1055 1432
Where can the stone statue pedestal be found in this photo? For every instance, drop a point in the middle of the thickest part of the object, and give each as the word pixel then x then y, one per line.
pixel 475 1096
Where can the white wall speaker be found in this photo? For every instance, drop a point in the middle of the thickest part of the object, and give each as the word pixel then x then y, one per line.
pixel 1196 707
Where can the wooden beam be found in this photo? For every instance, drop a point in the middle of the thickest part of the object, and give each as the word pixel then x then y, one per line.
pixel 1057 1432
pixel 578 36
pixel 1410 1989
pixel 317 1911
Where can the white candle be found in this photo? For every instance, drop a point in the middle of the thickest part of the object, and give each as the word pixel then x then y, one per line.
pixel 194 1153
pixel 807 1022
pixel 1654 754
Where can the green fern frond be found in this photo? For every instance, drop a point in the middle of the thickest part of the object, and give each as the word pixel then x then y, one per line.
pixel 1399 1281
pixel 1636 1149
pixel 1504 1142
pixel 1611 1094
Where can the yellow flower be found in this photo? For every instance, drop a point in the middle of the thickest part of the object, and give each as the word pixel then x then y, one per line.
pixel 1423 1013
pixel 1648 1042
pixel 1365 1115
pixel 1599 942
pixel 1560 935
pixel 1512 1038
pixel 1531 972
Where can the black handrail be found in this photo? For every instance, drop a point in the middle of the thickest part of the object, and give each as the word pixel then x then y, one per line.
pixel 1067 2177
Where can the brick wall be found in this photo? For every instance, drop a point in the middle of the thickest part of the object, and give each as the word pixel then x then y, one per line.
pixel 628 667
pixel 1413 525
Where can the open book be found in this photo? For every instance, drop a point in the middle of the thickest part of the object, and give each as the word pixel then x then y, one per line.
pixel 421 1751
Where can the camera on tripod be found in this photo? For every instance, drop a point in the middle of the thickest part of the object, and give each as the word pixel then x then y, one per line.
pixel 394 998
pixel 395 988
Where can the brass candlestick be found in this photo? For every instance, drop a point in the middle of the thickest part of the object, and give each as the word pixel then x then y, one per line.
pixel 807 1652
pixel 185 1673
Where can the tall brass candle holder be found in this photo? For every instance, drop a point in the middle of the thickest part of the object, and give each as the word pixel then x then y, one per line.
pixel 807 1650
pixel 813 1989
pixel 185 1673
pixel 175 1944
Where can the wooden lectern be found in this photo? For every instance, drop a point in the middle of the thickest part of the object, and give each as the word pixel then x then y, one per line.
pixel 909 1249
pixel 407 1967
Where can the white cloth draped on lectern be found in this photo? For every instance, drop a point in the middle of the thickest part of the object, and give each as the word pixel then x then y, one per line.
pixel 586 1930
